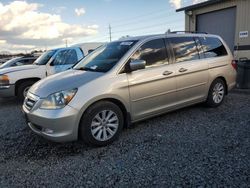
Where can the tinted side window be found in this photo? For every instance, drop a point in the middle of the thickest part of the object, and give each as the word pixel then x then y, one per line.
pixel 153 52
pixel 212 47
pixel 19 63
pixel 31 61
pixel 27 61
pixel 199 47
pixel 184 49
pixel 65 57
pixel 71 57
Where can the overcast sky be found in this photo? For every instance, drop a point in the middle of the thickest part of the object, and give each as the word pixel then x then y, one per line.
pixel 39 24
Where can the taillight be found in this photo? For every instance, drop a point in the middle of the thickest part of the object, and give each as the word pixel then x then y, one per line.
pixel 234 64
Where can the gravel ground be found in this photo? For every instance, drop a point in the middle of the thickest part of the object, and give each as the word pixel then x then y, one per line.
pixel 192 147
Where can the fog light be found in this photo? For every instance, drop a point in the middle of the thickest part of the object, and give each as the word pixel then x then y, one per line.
pixel 48 131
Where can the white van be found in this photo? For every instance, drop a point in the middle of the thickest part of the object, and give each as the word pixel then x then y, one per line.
pixel 16 81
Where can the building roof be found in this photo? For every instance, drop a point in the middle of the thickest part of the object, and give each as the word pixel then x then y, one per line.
pixel 199 5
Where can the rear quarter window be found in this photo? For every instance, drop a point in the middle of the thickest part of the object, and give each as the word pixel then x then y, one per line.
pixel 212 47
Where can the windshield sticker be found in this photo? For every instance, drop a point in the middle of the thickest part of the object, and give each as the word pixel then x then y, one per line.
pixel 94 67
pixel 126 43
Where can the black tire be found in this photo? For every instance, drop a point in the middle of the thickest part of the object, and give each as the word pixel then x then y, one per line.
pixel 21 88
pixel 211 102
pixel 85 130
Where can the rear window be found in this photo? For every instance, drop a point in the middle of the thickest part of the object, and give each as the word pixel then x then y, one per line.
pixel 212 47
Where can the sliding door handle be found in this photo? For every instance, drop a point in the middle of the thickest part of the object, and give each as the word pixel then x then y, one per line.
pixel 166 73
pixel 182 70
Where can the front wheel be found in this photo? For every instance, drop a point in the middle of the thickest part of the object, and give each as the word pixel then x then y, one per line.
pixel 101 124
pixel 216 93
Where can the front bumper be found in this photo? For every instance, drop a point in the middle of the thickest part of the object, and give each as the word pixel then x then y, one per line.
pixel 56 125
pixel 7 91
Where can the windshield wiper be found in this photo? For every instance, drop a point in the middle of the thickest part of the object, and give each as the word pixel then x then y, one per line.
pixel 89 69
pixel 86 69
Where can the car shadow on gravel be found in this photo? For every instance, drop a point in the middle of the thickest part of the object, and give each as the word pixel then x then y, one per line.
pixel 23 143
pixel 11 101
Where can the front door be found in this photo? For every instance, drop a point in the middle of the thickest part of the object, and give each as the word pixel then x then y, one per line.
pixel 152 90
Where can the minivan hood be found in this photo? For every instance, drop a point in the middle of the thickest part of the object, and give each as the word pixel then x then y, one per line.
pixel 67 80
pixel 18 68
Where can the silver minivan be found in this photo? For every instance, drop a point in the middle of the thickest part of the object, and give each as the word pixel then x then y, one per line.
pixel 130 80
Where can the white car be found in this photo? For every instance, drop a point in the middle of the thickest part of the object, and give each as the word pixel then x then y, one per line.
pixel 19 61
pixel 16 81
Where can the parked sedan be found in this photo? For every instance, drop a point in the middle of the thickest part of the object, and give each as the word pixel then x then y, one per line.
pixel 18 61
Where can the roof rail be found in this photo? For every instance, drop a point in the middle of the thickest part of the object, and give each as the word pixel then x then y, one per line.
pixel 198 32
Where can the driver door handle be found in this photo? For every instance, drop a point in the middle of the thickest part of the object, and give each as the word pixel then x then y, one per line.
pixel 166 73
pixel 182 70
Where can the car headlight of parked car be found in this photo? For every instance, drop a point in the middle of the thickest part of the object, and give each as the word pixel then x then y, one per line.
pixel 58 100
pixel 4 81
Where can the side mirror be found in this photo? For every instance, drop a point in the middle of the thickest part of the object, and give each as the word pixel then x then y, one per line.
pixel 90 51
pixel 137 64
pixel 52 63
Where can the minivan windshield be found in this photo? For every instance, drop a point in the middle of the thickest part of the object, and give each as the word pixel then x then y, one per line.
pixel 44 58
pixel 105 57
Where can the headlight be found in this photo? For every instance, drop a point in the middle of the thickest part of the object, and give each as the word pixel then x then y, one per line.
pixel 4 81
pixel 58 100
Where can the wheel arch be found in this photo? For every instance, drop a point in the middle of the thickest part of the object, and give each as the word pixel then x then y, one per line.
pixel 119 103
pixel 19 82
pixel 224 80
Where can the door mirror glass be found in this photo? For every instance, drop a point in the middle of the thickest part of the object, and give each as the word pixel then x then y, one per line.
pixel 137 64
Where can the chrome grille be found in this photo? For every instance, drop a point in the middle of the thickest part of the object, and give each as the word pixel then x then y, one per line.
pixel 30 101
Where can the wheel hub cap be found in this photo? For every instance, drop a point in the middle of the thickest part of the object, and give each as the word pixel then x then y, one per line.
pixel 104 125
pixel 218 93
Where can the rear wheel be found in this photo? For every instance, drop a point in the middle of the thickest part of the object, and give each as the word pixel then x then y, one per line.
pixel 23 89
pixel 216 93
pixel 101 124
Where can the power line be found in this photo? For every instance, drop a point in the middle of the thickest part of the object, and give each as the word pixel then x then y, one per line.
pixel 139 20
pixel 149 29
pixel 152 30
pixel 142 15
pixel 145 27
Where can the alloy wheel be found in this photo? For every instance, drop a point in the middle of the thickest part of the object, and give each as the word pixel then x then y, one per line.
pixel 104 125
pixel 218 93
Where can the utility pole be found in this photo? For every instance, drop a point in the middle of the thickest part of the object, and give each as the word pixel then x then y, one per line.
pixel 110 33
pixel 66 43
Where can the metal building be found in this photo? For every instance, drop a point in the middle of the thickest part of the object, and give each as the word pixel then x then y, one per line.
pixel 228 18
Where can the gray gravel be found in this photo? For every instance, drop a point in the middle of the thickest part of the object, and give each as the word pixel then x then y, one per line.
pixel 192 147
